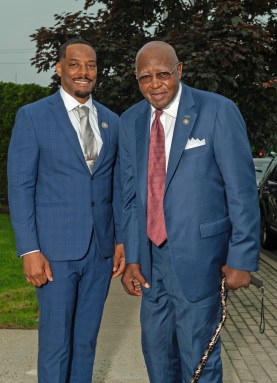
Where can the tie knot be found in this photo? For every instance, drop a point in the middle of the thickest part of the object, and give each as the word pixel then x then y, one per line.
pixel 83 111
pixel 158 113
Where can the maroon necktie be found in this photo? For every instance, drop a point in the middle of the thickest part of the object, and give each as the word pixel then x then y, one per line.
pixel 156 181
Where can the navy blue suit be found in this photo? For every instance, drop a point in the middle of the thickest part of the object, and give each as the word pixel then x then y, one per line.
pixel 73 217
pixel 212 219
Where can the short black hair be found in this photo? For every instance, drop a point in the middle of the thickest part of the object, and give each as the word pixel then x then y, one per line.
pixel 74 40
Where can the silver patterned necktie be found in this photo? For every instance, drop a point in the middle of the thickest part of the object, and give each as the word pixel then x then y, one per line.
pixel 87 137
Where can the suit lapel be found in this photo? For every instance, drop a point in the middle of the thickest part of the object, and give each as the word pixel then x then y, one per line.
pixel 104 128
pixel 61 116
pixel 183 126
pixel 64 123
pixel 142 127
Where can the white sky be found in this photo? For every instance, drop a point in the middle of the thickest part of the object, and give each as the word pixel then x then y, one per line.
pixel 18 20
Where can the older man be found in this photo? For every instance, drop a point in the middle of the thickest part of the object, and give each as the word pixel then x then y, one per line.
pixel 190 213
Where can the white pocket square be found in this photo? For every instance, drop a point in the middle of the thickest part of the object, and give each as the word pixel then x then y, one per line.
pixel 193 143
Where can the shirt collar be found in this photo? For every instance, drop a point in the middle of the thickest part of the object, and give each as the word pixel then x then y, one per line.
pixel 71 103
pixel 172 108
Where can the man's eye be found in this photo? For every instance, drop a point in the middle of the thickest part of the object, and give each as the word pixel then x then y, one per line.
pixel 145 78
pixel 162 75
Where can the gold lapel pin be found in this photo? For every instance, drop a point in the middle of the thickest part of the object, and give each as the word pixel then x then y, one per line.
pixel 104 125
pixel 186 121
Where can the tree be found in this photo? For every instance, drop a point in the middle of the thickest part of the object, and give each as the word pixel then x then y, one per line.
pixel 227 47
pixel 12 96
pixel 227 52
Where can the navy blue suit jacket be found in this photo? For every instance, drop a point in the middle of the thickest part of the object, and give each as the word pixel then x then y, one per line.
pixel 55 201
pixel 210 201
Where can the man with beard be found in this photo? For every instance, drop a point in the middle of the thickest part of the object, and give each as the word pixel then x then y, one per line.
pixel 65 203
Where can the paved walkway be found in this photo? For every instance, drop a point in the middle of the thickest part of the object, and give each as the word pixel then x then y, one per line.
pixel 248 356
pixel 253 356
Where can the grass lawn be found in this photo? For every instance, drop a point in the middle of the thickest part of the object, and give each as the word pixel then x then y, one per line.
pixel 18 303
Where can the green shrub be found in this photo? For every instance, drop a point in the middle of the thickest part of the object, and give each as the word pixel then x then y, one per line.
pixel 12 97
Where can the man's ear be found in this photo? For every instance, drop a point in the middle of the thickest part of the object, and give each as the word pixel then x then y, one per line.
pixel 59 69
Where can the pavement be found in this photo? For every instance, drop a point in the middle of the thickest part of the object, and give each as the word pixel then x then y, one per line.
pixel 248 356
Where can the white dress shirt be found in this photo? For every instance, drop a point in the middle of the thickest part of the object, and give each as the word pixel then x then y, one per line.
pixel 70 105
pixel 168 119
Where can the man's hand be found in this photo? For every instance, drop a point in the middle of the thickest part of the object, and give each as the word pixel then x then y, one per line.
pixel 234 279
pixel 118 261
pixel 37 269
pixel 132 280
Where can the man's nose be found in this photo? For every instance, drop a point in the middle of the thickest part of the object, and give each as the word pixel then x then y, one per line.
pixel 155 83
pixel 83 70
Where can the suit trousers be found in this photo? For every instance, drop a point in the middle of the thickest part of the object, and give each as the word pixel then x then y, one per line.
pixel 175 331
pixel 71 309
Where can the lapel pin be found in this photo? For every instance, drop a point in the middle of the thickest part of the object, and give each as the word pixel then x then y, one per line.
pixel 104 125
pixel 186 121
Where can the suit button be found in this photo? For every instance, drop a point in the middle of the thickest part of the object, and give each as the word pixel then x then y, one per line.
pixel 93 204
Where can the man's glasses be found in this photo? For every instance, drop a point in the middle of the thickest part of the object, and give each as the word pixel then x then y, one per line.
pixel 161 76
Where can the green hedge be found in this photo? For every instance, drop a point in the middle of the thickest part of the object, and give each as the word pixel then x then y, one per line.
pixel 12 97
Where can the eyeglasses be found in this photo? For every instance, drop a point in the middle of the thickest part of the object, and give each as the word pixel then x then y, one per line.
pixel 161 76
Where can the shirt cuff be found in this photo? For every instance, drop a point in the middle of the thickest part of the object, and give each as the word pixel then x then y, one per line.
pixel 29 252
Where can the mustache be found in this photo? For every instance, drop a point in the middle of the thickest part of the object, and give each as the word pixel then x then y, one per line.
pixel 83 78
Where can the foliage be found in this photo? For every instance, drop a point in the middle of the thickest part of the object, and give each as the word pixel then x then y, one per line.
pixel 18 307
pixel 227 53
pixel 12 96
pixel 227 47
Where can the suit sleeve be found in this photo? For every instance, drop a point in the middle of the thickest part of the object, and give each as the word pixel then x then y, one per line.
pixel 129 207
pixel 23 159
pixel 234 158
